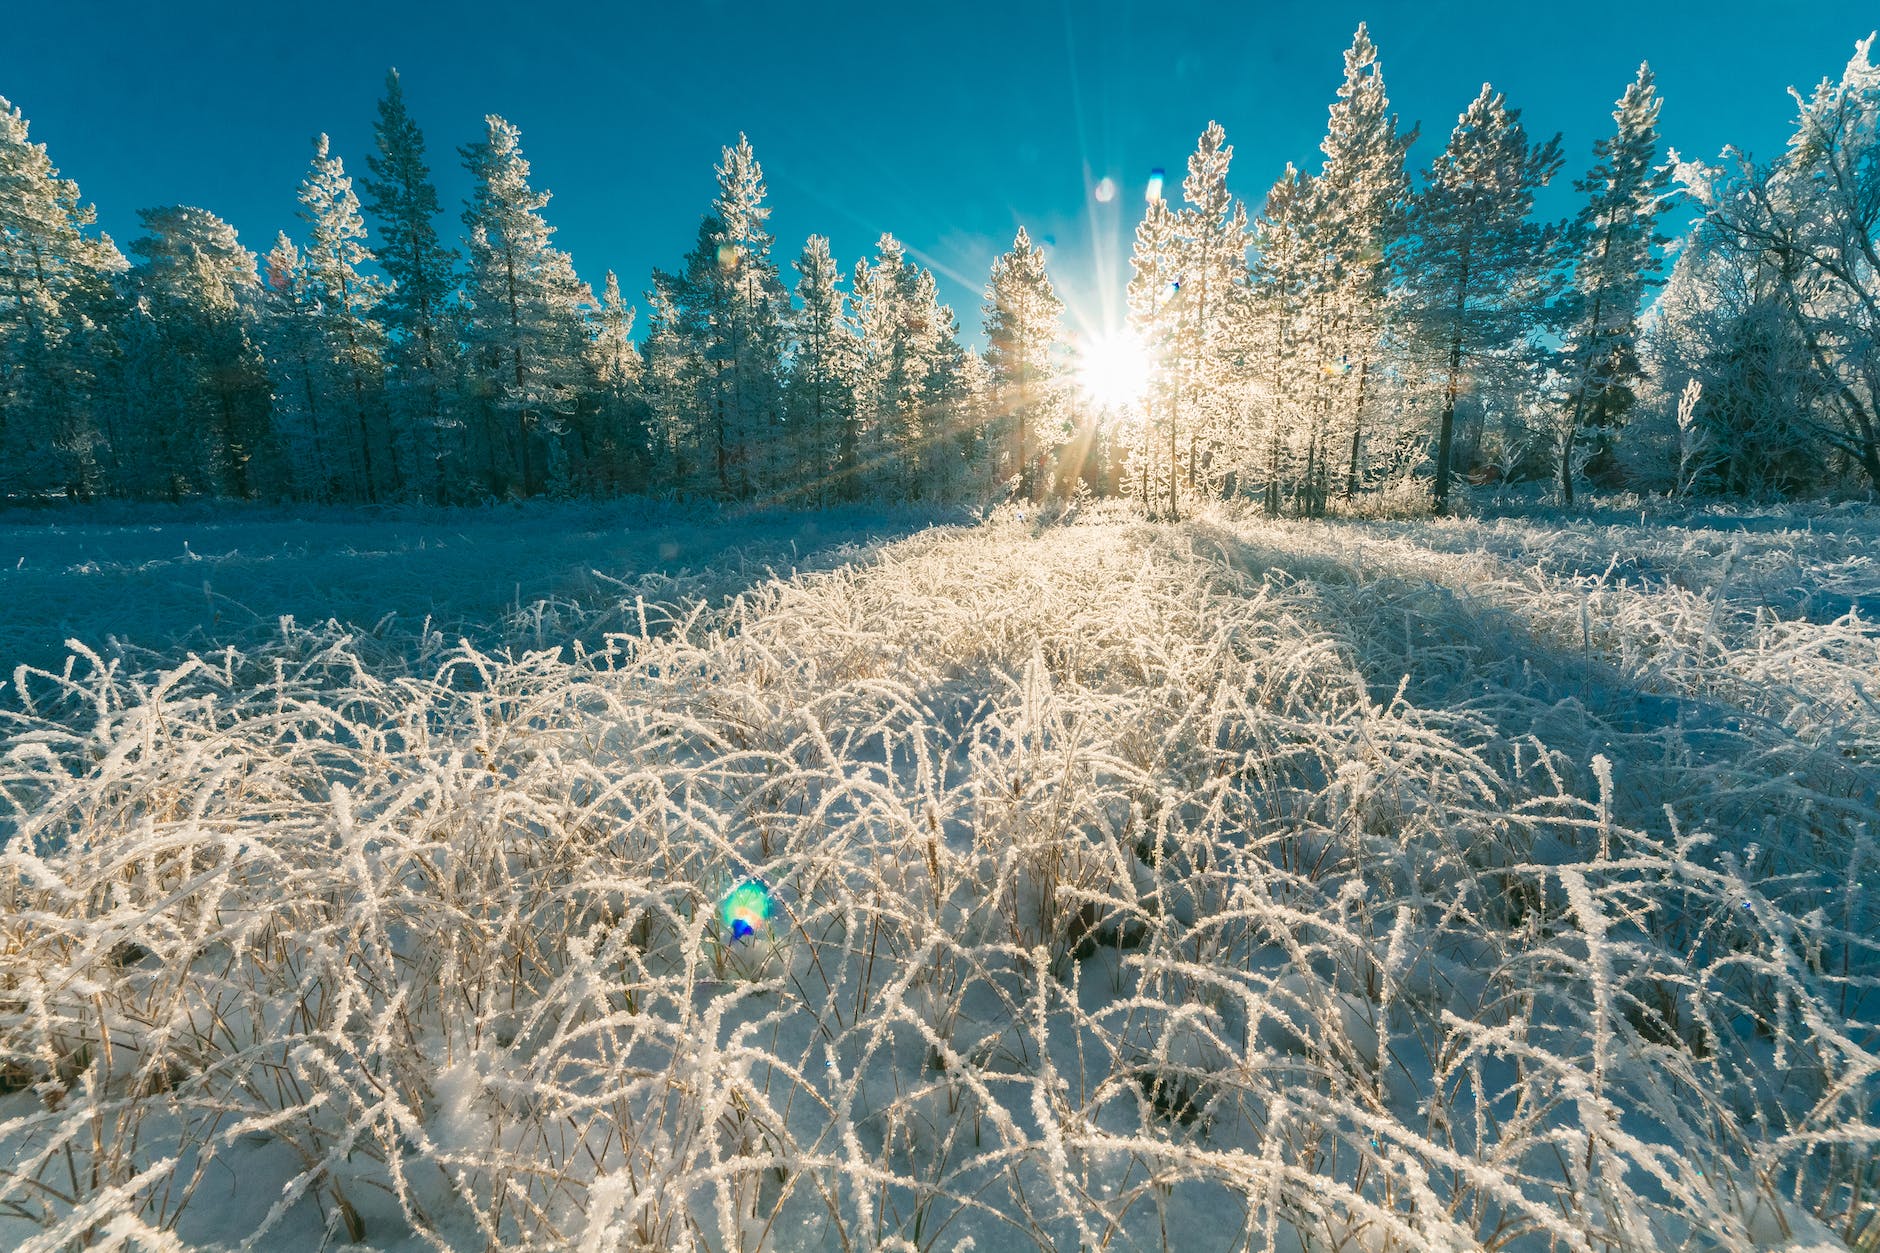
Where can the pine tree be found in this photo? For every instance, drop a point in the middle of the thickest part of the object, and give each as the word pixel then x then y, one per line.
pixel 951 441
pixel 690 367
pixel 343 300
pixel 923 408
pixel 618 453
pixel 1279 284
pixel 820 397
pixel 753 300
pixel 1210 262
pixel 724 315
pixel 1152 287
pixel 525 327
pixel 903 333
pixel 1613 243
pixel 673 386
pixel 403 204
pixel 54 290
pixel 1024 335
pixel 1360 195
pixel 209 414
pixel 1477 272
pixel 298 362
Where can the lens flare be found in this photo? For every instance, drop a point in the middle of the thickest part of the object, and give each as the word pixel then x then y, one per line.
pixel 746 908
pixel 1113 370
pixel 1154 191
pixel 1106 190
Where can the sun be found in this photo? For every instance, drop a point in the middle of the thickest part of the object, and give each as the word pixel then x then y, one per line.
pixel 1113 370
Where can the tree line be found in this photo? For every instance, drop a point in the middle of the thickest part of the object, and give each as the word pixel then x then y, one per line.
pixel 1367 330
pixel 1396 331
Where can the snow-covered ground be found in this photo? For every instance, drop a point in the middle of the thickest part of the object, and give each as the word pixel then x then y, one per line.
pixel 163 578
pixel 1202 886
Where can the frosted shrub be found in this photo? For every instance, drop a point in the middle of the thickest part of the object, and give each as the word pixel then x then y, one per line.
pixel 1381 887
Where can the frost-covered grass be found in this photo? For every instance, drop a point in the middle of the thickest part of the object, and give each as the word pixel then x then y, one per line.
pixel 1203 886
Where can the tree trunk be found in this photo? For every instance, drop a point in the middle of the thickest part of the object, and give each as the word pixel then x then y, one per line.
pixel 1446 431
pixel 1357 430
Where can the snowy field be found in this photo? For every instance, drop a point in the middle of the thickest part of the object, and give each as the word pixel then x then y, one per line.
pixel 1228 884
pixel 196 576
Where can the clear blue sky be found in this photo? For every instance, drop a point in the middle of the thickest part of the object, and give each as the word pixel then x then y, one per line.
pixel 948 124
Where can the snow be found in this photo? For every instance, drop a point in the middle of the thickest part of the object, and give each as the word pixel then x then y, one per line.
pixel 1374 885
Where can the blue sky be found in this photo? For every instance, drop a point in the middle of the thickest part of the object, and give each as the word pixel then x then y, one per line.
pixel 947 124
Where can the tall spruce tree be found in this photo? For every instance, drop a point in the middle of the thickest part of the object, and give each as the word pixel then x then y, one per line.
pixel 723 313
pixel 54 293
pixel 617 452
pixel 1477 272
pixel 691 368
pixel 820 388
pixel 750 332
pixel 1024 335
pixel 1360 194
pixel 205 418
pixel 1279 284
pixel 343 300
pixel 1152 287
pixel 402 202
pixel 1613 248
pixel 1210 264
pixel 297 361
pixel 903 333
pixel 524 324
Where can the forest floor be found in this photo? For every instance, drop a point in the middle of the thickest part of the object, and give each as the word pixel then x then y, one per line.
pixel 837 881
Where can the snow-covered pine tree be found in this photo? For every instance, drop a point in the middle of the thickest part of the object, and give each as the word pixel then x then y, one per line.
pixel 972 417
pixel 402 202
pixel 1273 326
pixel 1612 244
pixel 723 313
pixel 931 390
pixel 525 326
pixel 54 294
pixel 819 388
pixel 1210 263
pixel 902 331
pixel 343 300
pixel 750 334
pixel 1024 338
pixel 207 418
pixel 1152 286
pixel 1477 272
pixel 616 457
pixel 297 361
pixel 1360 195
pixel 952 446
pixel 689 366
pixel 673 385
